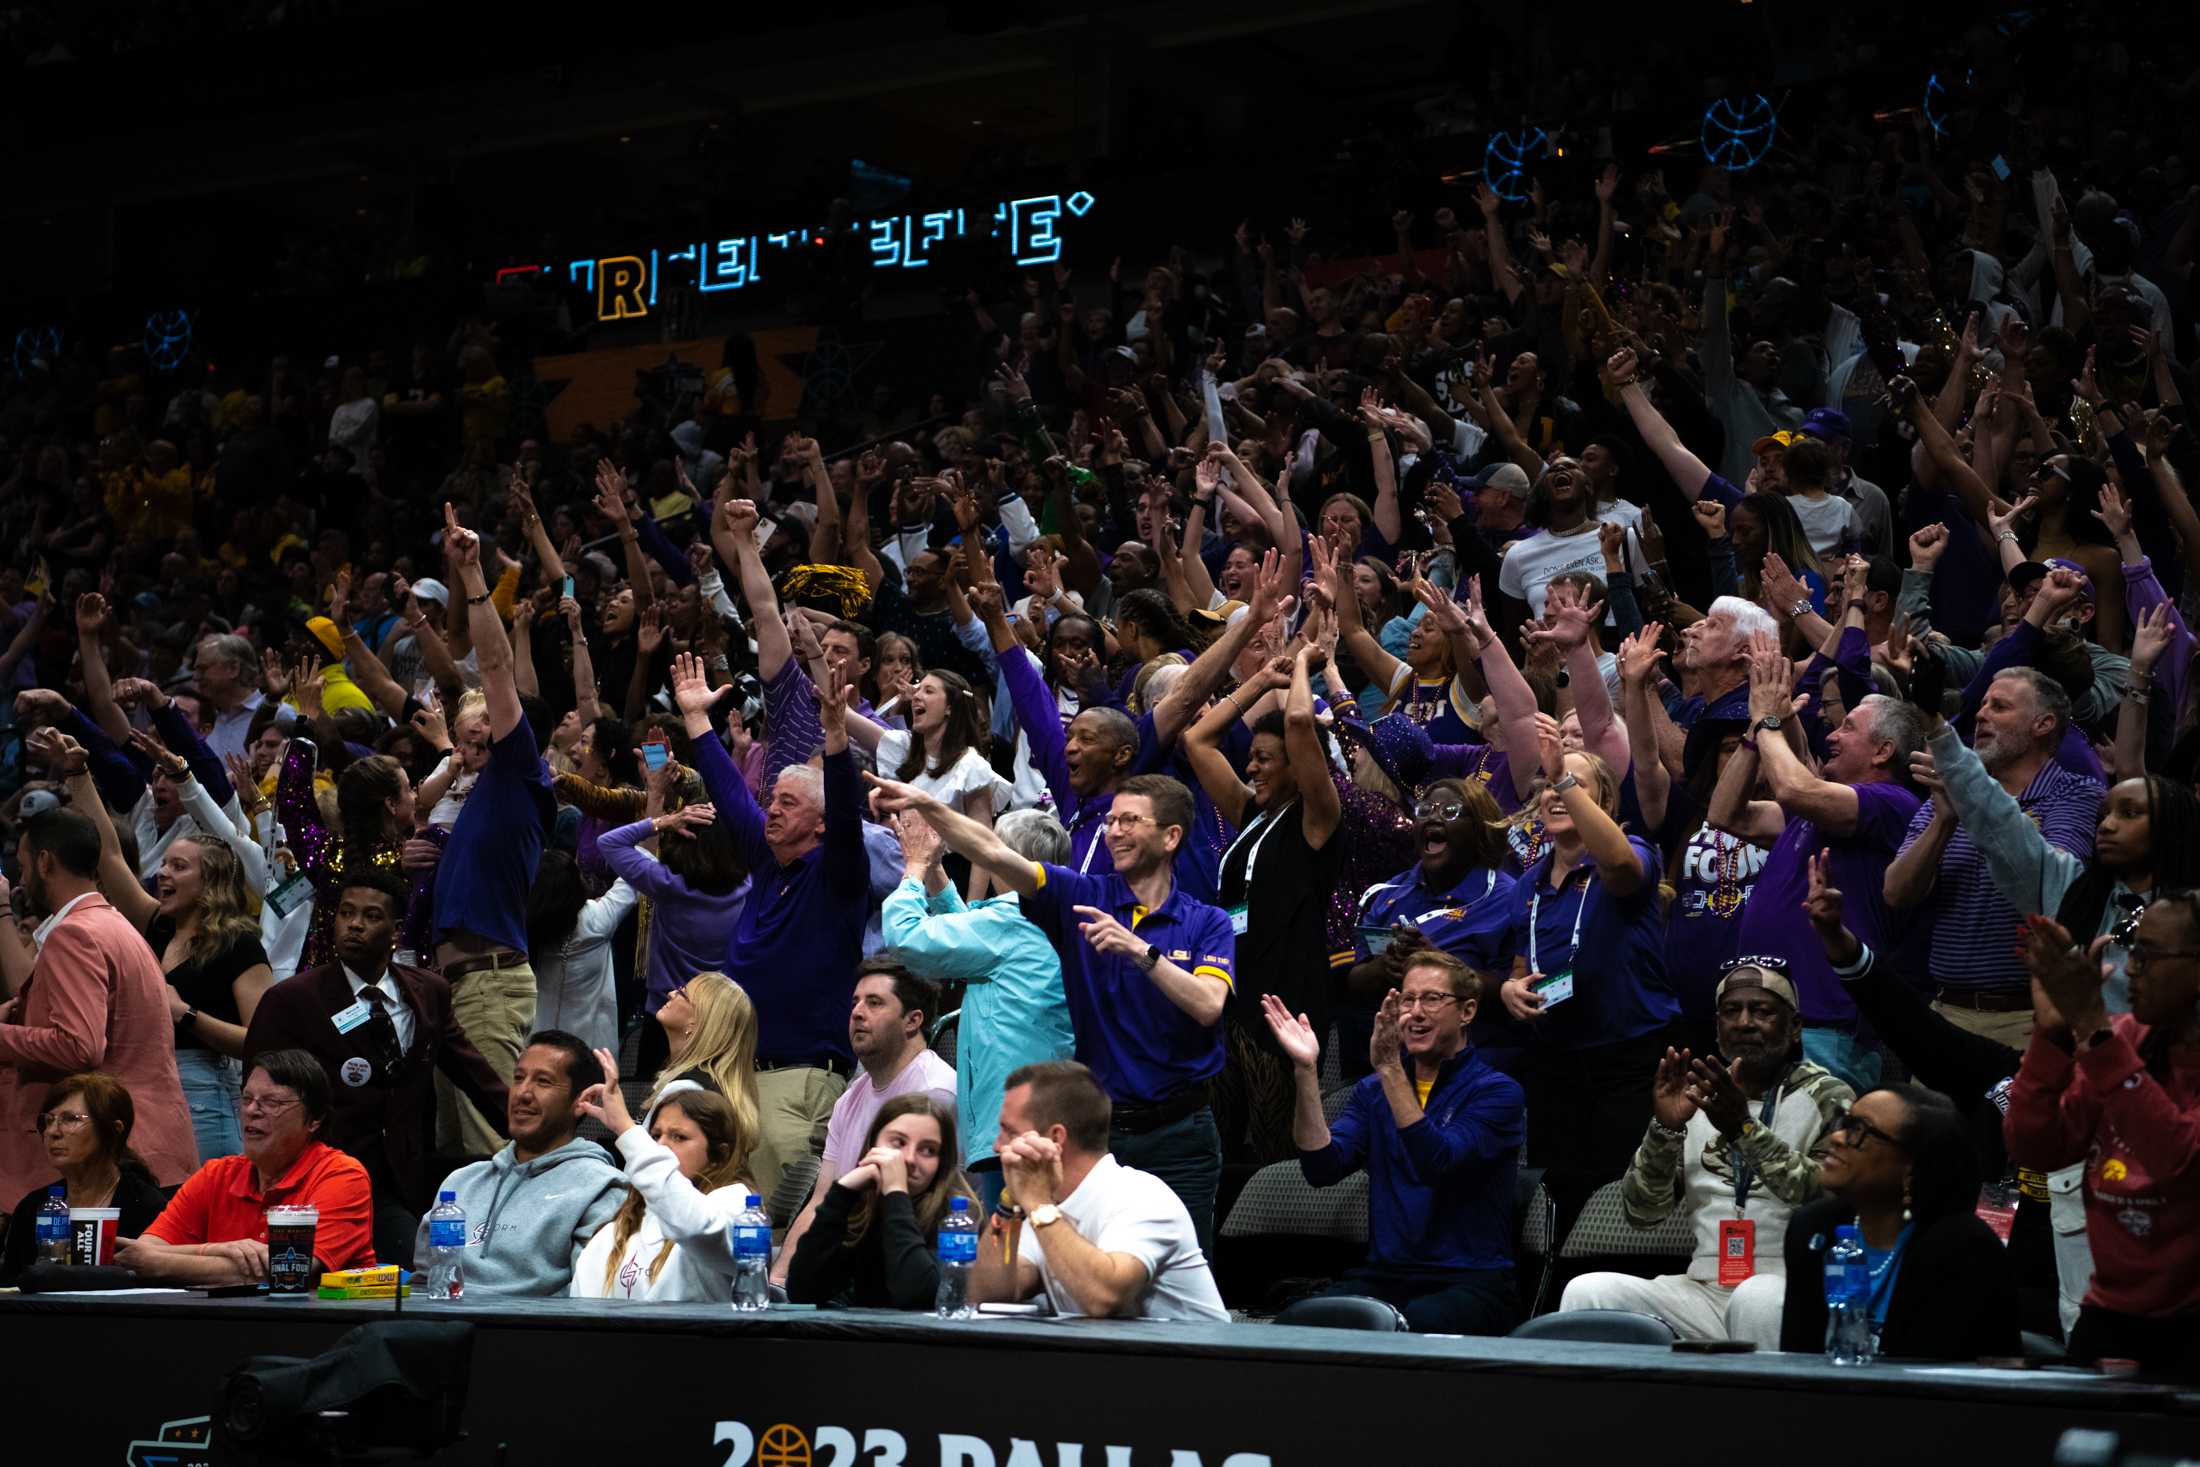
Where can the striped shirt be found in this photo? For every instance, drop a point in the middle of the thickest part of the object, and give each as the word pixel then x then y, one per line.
pixel 1973 926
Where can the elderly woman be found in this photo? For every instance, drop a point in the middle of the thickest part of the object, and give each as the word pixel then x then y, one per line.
pixel 85 1124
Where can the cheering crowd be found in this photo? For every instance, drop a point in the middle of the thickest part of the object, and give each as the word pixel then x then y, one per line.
pixel 1670 683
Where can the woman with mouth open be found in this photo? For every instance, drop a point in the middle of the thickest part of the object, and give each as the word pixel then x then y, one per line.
pixel 1275 884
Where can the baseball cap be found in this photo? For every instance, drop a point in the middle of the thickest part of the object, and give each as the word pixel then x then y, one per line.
pixel 1828 423
pixel 37 802
pixel 1507 476
pixel 325 632
pixel 1780 439
pixel 1767 973
pixel 2024 573
pixel 428 588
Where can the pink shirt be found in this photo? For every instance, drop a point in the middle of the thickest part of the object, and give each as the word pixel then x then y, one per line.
pixel 859 1105
pixel 95 1001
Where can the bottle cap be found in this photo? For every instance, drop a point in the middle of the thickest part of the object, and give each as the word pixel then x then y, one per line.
pixel 754 1200
pixel 446 1196
pixel 1847 1233
pixel 58 1189
pixel 958 1204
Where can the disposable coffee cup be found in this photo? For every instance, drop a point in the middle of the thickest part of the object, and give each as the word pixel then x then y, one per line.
pixel 290 1249
pixel 92 1235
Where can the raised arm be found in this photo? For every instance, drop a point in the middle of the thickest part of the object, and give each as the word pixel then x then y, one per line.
pixel 1941 448
pixel 117 882
pixel 973 840
pixel 92 620
pixel 1198 684
pixel 546 551
pixel 1203 744
pixel 733 531
pixel 1638 663
pixel 1569 631
pixel 1515 700
pixel 1619 865
pixel 492 652
pixel 1302 744
pixel 611 499
pixel 1690 474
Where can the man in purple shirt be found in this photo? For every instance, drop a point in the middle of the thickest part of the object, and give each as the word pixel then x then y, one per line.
pixel 1856 808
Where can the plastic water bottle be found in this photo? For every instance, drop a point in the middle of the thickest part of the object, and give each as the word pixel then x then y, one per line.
pixel 53 1225
pixel 752 1256
pixel 1848 1300
pixel 446 1248
pixel 958 1256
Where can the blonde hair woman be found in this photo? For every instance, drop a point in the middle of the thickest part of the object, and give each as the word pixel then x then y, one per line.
pixel 203 924
pixel 711 1028
pixel 672 1239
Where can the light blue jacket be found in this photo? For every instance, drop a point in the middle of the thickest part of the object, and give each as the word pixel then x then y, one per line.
pixel 1014 1013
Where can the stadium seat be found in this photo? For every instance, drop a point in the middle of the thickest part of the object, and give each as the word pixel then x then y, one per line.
pixel 795 1185
pixel 942 1037
pixel 1278 1200
pixel 1599 1326
pixel 1535 1219
pixel 1344 1312
pixel 1602 1230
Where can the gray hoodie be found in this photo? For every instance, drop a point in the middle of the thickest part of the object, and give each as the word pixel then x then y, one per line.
pixel 527 1221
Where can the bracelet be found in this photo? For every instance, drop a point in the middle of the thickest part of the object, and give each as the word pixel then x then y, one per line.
pixel 2138 695
pixel 76 771
pixel 2008 535
pixel 477 600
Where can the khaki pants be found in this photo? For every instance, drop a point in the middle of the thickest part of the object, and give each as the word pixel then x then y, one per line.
pixel 796 1104
pixel 2013 1028
pixel 494 1008
pixel 1696 1310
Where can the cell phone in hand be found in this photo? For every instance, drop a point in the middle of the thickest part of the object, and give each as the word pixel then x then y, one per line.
pixel 2001 168
pixel 655 755
pixel 566 590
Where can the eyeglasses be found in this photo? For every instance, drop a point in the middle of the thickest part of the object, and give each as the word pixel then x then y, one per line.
pixel 1425 1002
pixel 1438 809
pixel 2138 955
pixel 262 1105
pixel 67 1120
pixel 1856 1130
pixel 1126 822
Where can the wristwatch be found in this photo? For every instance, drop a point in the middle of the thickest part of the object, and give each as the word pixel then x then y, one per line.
pixel 190 1016
pixel 1802 605
pixel 1046 1215
pixel 1565 782
pixel 1153 955
pixel 1769 723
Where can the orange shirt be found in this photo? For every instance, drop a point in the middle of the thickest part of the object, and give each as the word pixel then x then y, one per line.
pixel 223 1203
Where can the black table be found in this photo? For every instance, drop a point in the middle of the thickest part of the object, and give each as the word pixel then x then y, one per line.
pixel 570 1380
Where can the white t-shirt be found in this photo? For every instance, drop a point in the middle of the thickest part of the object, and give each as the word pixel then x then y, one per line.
pixel 969 773
pixel 1828 523
pixel 1118 1209
pixel 1531 565
pixel 859 1104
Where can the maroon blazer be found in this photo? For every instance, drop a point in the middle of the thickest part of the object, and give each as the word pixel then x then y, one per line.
pixel 384 1114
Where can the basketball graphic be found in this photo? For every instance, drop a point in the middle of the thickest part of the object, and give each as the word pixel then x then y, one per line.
pixel 1507 159
pixel 1738 132
pixel 783 1446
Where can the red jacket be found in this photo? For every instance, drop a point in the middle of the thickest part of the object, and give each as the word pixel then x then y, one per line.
pixel 96 1001
pixel 2139 1137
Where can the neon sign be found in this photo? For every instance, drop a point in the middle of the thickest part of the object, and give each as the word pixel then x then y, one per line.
pixel 626 285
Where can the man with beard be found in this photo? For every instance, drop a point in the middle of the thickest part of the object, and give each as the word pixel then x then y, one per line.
pixel 886 1026
pixel 1734 1143
pixel 95 1000
pixel 1983 984
pixel 1438 1131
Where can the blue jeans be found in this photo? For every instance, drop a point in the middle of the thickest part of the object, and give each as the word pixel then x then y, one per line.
pixel 210 1085
pixel 1187 1154
pixel 1844 1054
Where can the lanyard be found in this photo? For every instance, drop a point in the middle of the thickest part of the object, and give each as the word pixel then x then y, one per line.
pixel 1264 819
pixel 1744 1172
pixel 1535 909
pixel 1084 866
